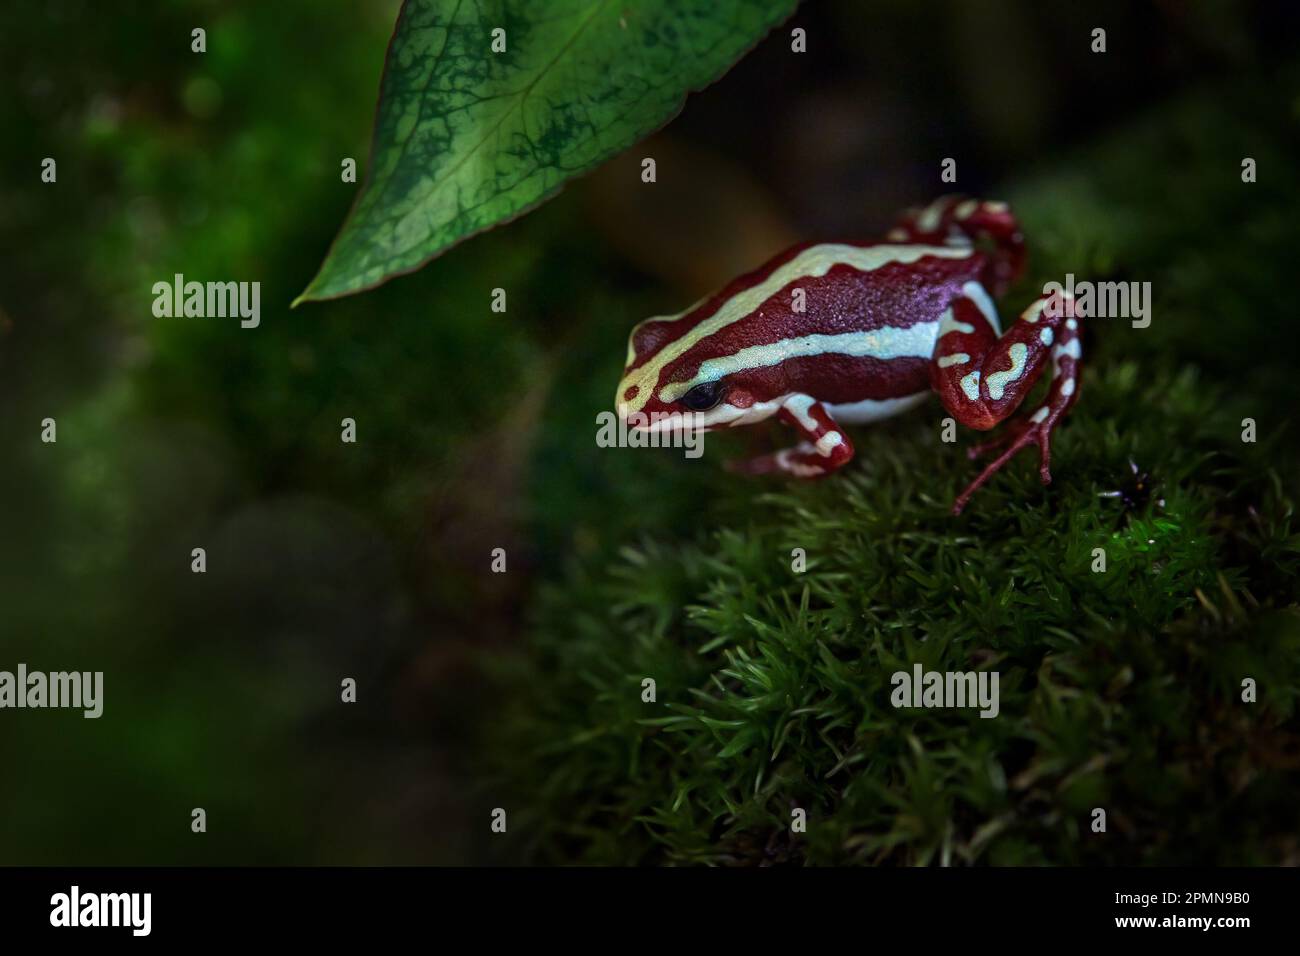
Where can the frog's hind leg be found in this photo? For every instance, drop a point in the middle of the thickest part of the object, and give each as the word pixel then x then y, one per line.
pixel 982 378
pixel 957 218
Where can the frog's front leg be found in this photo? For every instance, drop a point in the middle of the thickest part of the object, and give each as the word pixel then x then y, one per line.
pixel 982 378
pixel 824 449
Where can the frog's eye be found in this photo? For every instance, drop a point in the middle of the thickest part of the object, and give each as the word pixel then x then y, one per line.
pixel 704 396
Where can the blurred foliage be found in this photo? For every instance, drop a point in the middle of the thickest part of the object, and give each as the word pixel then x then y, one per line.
pixel 325 560
pixel 222 690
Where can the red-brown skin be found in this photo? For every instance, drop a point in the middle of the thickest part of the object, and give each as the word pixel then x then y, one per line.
pixel 899 295
pixel 844 300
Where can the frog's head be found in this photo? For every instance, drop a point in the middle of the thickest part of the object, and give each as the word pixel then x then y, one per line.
pixel 673 376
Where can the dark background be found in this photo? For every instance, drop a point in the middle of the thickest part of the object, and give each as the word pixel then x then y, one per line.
pixel 369 561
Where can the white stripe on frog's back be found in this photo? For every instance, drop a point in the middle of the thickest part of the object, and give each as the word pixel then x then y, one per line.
pixel 976 293
pixel 884 343
pixel 813 262
pixel 631 336
pixel 948 321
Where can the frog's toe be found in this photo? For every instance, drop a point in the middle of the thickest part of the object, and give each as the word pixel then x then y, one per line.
pixel 1033 431
pixel 802 461
pixel 1010 433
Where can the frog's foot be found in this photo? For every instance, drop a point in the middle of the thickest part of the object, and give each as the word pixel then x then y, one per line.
pixel 1012 432
pixel 1034 430
pixel 802 461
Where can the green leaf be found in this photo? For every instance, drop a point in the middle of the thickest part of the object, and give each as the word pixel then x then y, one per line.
pixel 466 137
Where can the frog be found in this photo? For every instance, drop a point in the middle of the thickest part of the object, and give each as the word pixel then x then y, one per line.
pixel 828 334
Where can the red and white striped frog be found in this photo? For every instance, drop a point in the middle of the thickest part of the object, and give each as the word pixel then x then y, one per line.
pixel 831 334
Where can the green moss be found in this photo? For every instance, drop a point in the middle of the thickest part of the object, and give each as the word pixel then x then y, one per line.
pixel 1119 689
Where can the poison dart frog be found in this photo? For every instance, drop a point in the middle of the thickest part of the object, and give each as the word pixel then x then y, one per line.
pixel 829 334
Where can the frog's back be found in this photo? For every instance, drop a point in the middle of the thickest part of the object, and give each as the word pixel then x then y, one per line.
pixel 871 310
